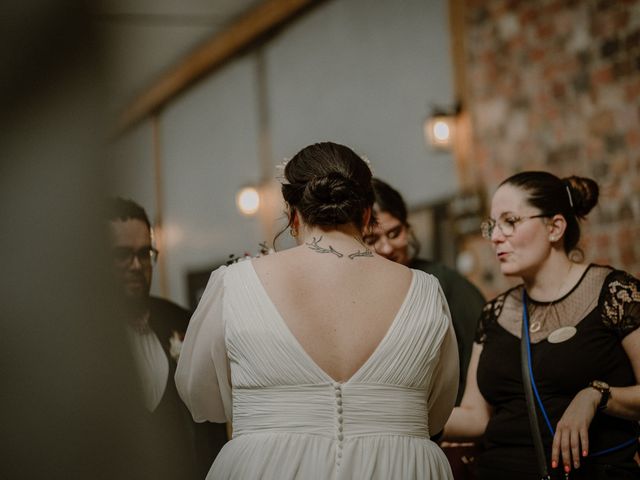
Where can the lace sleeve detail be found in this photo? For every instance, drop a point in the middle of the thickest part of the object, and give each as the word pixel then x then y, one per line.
pixel 620 302
pixel 490 312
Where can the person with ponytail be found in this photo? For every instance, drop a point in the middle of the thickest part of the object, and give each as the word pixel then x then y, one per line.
pixel 570 329
pixel 332 361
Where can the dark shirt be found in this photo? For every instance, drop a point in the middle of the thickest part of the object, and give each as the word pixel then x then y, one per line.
pixel 465 303
pixel 604 307
pixel 195 445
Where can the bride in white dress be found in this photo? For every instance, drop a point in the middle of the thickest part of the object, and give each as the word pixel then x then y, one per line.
pixel 331 361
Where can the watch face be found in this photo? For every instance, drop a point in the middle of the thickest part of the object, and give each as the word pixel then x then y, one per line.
pixel 600 385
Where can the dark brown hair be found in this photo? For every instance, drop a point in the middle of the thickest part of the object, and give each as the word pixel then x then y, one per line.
pixel 389 200
pixel 328 184
pixel 572 197
pixel 118 208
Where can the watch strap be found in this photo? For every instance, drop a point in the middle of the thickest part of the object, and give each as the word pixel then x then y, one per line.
pixel 605 394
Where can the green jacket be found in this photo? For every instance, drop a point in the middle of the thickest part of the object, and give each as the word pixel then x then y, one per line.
pixel 465 303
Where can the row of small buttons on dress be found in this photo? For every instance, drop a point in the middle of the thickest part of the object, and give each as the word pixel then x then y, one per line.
pixel 338 389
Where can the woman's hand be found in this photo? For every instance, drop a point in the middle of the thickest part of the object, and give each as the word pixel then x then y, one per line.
pixel 572 431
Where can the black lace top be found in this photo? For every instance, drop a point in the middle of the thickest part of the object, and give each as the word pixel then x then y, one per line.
pixel 600 311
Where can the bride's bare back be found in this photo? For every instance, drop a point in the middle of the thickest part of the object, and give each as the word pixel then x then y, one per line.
pixel 338 308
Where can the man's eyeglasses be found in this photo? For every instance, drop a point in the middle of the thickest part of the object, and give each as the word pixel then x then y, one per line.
pixel 124 256
pixel 506 225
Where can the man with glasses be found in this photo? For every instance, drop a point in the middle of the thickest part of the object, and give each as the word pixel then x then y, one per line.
pixel 155 328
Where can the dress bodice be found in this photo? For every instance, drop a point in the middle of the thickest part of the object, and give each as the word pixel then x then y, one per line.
pixel 276 393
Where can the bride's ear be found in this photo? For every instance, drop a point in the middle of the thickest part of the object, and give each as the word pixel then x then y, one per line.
pixel 366 218
pixel 295 219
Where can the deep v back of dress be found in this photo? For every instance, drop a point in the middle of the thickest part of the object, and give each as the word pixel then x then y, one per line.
pixel 343 326
pixel 290 418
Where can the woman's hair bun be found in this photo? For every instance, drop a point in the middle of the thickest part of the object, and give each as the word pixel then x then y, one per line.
pixel 328 184
pixel 331 199
pixel 584 194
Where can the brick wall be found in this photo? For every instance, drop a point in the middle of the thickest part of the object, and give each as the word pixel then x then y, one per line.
pixel 555 85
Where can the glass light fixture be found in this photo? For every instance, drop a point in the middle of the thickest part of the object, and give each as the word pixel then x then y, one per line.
pixel 440 128
pixel 439 131
pixel 248 200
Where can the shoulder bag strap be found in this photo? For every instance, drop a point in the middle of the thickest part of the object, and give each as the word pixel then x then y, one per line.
pixel 528 392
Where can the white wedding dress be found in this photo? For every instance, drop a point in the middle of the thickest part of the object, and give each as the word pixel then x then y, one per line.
pixel 290 419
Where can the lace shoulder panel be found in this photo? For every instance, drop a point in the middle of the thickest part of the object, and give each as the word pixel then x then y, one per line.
pixel 620 302
pixel 490 313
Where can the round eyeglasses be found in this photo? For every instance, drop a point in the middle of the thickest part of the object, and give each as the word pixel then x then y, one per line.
pixel 506 225
pixel 123 256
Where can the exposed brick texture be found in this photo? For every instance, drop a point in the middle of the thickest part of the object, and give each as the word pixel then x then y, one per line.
pixel 555 85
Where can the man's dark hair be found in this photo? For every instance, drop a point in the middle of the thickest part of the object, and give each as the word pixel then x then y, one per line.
pixel 119 208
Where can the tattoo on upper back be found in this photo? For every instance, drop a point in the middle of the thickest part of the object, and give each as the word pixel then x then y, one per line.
pixel 365 253
pixel 315 246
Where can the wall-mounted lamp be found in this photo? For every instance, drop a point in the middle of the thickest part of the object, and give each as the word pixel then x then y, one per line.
pixel 248 200
pixel 440 128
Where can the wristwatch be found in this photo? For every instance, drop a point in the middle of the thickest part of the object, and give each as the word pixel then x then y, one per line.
pixel 605 390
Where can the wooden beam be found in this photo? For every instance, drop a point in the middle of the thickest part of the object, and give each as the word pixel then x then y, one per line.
pixel 211 54
pixel 457 12
pixel 158 222
pixel 466 171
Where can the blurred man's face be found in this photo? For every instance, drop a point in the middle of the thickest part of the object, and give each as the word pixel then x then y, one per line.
pixel 132 257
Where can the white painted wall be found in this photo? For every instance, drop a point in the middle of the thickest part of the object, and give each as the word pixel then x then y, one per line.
pixel 209 144
pixel 365 74
pixel 352 71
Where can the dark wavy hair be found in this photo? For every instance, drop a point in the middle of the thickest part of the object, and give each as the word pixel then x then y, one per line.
pixel 572 197
pixel 328 184
pixel 389 200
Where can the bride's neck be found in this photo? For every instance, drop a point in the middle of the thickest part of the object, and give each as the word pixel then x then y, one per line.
pixel 344 235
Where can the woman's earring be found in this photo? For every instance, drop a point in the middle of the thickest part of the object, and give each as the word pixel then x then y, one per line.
pixel 293 232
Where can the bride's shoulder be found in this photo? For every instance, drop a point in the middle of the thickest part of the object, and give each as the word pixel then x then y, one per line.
pixel 275 259
pixel 391 268
pixel 427 279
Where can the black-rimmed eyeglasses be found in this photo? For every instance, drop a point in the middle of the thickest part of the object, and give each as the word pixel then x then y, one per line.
pixel 124 256
pixel 506 225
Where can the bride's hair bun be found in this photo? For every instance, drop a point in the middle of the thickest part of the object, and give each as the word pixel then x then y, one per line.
pixel 328 184
pixel 331 199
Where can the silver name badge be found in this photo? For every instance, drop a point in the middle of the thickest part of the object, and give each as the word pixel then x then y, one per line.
pixel 562 334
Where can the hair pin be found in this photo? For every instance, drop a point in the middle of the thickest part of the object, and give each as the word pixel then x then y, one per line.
pixel 569 193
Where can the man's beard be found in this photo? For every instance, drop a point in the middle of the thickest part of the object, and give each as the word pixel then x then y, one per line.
pixel 135 296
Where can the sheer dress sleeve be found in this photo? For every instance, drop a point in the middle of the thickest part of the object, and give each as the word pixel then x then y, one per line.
pixel 620 303
pixel 444 384
pixel 490 313
pixel 202 377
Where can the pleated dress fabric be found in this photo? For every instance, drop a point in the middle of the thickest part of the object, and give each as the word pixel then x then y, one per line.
pixel 291 420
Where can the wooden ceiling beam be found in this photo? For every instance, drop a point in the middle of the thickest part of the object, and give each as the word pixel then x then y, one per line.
pixel 257 22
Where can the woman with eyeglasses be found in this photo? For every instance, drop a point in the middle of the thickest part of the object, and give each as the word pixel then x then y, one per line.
pixel 581 346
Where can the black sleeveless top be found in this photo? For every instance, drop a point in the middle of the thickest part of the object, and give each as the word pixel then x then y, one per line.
pixel 604 307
